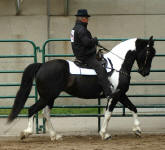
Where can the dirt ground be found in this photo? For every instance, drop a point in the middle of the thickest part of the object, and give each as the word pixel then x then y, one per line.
pixel 118 142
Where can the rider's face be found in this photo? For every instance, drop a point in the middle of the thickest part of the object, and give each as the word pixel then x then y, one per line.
pixel 84 19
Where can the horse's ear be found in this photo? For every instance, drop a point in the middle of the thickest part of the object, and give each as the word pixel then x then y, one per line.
pixel 151 38
pixel 151 41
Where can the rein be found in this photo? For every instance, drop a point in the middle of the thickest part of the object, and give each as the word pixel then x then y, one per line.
pixel 107 50
pixel 145 62
pixel 122 72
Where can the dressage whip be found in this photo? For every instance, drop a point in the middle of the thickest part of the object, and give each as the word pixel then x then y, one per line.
pixel 107 50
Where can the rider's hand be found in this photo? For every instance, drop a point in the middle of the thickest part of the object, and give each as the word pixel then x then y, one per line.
pixel 96 40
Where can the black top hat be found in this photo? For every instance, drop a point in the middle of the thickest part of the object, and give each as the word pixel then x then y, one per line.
pixel 82 13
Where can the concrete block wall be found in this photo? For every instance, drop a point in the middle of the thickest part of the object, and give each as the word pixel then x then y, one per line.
pixel 31 24
pixel 110 19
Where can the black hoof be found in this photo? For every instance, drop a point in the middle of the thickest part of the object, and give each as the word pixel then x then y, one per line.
pixel 138 133
pixel 108 138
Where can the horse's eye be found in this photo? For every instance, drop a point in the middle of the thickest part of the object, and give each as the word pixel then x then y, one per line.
pixel 147 52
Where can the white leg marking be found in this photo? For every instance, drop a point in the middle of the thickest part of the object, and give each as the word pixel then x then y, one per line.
pixel 29 130
pixel 103 130
pixel 136 129
pixel 53 135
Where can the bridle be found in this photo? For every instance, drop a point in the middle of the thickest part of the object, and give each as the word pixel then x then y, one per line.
pixel 147 55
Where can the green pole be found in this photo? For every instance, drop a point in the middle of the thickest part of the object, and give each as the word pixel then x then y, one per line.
pixel 43 61
pixel 36 94
pixel 99 112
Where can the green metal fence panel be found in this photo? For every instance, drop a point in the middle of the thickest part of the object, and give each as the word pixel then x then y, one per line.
pixel 99 106
pixel 34 56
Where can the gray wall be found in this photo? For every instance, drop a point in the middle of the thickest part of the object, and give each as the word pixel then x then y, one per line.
pixel 110 19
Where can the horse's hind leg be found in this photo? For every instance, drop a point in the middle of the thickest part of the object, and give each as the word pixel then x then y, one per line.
pixel 29 130
pixel 40 104
pixel 46 114
pixel 32 110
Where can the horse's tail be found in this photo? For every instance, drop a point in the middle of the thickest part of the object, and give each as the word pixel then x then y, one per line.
pixel 24 90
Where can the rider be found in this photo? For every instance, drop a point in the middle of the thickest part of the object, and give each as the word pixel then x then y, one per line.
pixel 84 49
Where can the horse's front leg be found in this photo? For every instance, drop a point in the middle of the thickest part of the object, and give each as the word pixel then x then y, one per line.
pixel 49 127
pixel 136 129
pixel 29 130
pixel 103 132
pixel 127 103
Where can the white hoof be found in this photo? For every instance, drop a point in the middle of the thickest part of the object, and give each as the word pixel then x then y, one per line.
pixel 105 136
pixel 24 134
pixel 137 131
pixel 56 137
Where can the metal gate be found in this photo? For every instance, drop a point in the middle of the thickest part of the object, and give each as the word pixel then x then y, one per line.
pixel 33 55
pixel 99 106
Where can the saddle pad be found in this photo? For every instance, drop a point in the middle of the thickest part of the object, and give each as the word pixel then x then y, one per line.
pixel 74 69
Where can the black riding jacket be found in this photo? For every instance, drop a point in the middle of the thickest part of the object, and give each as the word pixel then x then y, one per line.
pixel 83 44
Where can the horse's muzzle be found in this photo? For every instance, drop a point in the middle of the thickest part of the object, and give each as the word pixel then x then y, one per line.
pixel 144 72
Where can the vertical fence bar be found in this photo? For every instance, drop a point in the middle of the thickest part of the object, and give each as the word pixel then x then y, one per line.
pixel 36 94
pixel 123 110
pixel 99 113
pixel 43 61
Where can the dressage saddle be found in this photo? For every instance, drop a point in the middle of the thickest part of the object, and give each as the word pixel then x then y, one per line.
pixel 99 57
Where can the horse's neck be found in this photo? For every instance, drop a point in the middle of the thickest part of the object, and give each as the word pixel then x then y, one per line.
pixel 128 62
pixel 119 53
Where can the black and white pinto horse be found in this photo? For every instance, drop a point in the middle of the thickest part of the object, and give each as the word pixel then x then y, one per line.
pixel 59 75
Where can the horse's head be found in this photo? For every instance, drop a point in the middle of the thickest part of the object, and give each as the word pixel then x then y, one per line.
pixel 144 55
